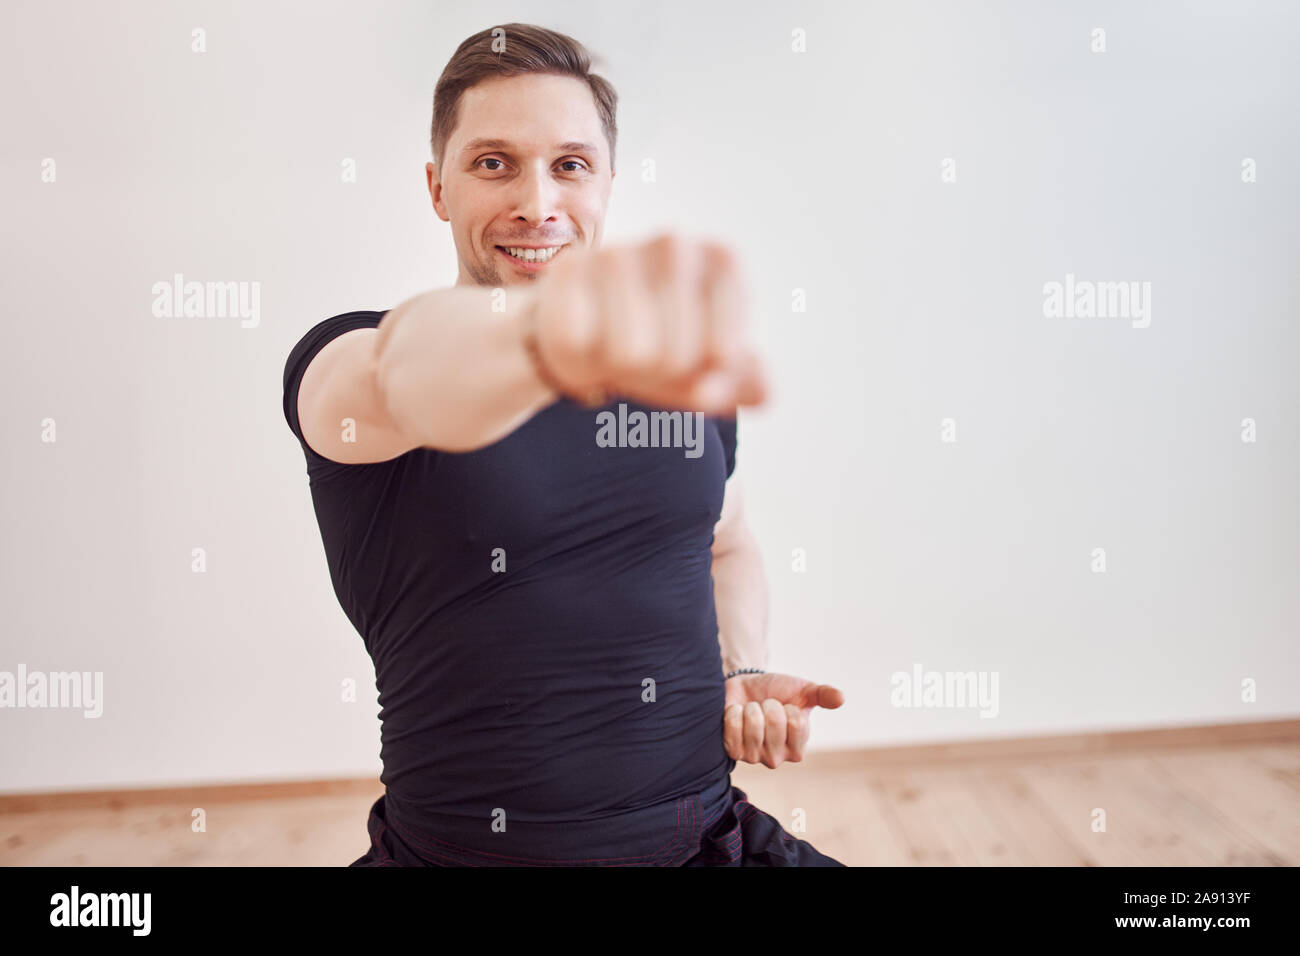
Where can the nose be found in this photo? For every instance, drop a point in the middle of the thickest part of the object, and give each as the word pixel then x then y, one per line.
pixel 536 197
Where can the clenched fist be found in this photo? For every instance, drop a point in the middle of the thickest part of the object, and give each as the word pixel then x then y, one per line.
pixel 663 323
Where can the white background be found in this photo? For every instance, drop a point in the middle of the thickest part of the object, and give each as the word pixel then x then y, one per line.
pixel 924 302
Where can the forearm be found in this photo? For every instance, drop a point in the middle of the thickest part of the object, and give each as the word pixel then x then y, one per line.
pixel 453 373
pixel 740 598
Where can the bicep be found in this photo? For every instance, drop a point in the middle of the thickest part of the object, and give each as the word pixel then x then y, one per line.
pixel 340 407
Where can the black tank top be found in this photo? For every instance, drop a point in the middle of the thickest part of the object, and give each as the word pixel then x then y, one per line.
pixel 524 601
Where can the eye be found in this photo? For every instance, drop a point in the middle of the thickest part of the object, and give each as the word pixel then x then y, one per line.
pixel 491 159
pixel 574 162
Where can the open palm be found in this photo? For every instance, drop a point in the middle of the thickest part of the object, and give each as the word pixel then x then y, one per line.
pixel 767 717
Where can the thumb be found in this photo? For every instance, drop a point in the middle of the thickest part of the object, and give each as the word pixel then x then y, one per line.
pixel 822 695
pixel 753 385
pixel 713 393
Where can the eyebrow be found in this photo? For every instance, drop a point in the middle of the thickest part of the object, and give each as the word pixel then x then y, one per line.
pixel 572 146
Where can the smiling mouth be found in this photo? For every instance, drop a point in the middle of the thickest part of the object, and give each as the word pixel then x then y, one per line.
pixel 531 255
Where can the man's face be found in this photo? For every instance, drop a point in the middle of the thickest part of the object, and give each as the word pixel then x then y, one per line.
pixel 527 166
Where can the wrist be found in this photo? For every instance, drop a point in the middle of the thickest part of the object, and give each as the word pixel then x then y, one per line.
pixel 736 671
pixel 591 397
pixel 526 328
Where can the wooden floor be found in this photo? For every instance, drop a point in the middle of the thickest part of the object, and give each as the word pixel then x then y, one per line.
pixel 1185 798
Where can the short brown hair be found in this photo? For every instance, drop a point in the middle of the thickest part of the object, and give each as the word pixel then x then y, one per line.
pixel 527 49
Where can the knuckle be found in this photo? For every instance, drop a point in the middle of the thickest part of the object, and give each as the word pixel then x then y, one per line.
pixel 668 244
pixel 672 259
pixel 723 260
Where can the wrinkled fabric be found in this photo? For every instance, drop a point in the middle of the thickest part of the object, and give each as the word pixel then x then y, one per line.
pixel 733 833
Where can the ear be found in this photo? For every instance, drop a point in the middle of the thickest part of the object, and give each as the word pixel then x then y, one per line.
pixel 435 191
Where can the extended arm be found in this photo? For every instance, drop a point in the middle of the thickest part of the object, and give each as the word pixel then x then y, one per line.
pixel 443 370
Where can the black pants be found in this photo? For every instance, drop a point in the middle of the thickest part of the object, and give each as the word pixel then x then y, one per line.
pixel 746 836
pixel 735 833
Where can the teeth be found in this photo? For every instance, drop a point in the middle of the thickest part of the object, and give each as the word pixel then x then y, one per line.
pixel 533 255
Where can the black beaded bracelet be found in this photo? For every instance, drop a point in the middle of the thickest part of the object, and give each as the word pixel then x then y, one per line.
pixel 744 670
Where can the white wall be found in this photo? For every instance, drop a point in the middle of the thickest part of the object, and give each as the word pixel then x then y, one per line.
pixel 924 302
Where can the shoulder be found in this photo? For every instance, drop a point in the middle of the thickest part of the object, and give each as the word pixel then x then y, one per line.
pixel 322 333
pixel 306 349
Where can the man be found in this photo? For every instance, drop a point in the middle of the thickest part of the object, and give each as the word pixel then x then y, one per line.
pixel 552 595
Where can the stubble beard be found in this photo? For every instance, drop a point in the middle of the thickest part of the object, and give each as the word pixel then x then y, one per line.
pixel 490 275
